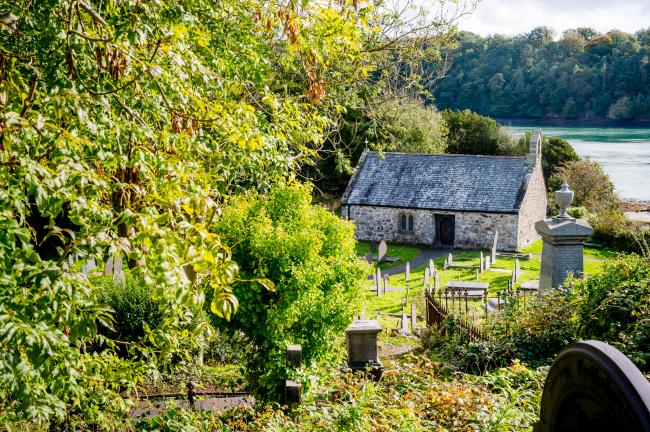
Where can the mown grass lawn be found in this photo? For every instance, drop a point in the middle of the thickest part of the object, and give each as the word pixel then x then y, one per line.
pixel 404 253
pixel 392 302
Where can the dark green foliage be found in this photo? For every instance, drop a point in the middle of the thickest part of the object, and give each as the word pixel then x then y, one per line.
pixel 615 307
pixel 582 75
pixel 133 306
pixel 309 255
pixel 555 152
pixel 613 229
pixel 471 133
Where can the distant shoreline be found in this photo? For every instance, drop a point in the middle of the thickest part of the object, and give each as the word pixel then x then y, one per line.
pixel 595 122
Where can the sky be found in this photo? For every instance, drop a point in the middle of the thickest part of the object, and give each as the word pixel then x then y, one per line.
pixel 520 16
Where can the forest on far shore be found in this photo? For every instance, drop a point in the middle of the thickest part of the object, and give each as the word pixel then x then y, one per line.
pixel 582 75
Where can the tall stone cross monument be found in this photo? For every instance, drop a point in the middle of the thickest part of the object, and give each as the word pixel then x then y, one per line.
pixel 564 238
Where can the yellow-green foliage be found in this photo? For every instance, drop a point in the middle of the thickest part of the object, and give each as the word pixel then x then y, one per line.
pixel 309 255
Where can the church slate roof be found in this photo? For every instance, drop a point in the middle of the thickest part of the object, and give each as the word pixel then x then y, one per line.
pixel 494 184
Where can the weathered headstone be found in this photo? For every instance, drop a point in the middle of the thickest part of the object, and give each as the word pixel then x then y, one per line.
pixel 383 250
pixel 361 339
pixel 373 246
pixel 414 319
pixel 292 390
pixel 563 238
pixel 450 259
pixel 517 270
pixel 404 324
pixel 446 264
pixel 436 284
pixel 487 263
pixel 407 275
pixel 369 258
pixel 90 264
pixel 378 280
pixel 592 386
pixel 294 355
pixel 493 255
pixel 432 266
pixel 477 274
pixel 427 276
pixel 108 267
pixel 117 264
pixel 385 282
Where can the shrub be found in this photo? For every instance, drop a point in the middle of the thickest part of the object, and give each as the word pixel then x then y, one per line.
pixel 133 306
pixel 309 255
pixel 472 133
pixel 615 307
pixel 593 188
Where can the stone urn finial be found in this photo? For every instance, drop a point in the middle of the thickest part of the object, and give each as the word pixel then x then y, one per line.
pixel 564 198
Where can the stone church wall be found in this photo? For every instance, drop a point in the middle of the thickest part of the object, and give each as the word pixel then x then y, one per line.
pixel 472 230
pixel 533 207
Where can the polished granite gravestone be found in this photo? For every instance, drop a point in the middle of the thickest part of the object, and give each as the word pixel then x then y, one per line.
pixel 593 387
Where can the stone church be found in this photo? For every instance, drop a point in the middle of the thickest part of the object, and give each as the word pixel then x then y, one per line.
pixel 448 200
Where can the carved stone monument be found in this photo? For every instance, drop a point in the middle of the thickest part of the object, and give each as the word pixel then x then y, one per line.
pixel 592 386
pixel 564 238
pixel 361 340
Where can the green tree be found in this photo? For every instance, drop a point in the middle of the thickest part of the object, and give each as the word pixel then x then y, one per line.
pixel 471 133
pixel 593 188
pixel 309 255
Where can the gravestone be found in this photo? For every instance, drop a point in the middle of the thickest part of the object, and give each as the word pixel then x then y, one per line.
pixel 369 258
pixel 378 280
pixel 446 264
pixel 383 250
pixel 592 386
pixel 292 390
pixel 66 266
pixel 427 276
pixel 435 282
pixel 482 263
pixel 414 319
pixel 385 282
pixel 450 259
pixel 487 263
pixel 91 264
pixel 108 267
pixel 361 341
pixel 294 355
pixel 117 264
pixel 373 246
pixel 477 274
pixel 517 270
pixel 563 242
pixel 493 255
pixel 407 275
pixel 70 260
pixel 432 266
pixel 404 324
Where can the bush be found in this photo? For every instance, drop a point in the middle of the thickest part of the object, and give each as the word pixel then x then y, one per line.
pixel 615 307
pixel 309 254
pixel 472 133
pixel 133 306
pixel 613 229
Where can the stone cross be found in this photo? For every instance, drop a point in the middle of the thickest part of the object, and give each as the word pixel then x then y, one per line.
pixel 108 268
pixel 414 318
pixel 383 250
pixel 493 256
pixel 408 272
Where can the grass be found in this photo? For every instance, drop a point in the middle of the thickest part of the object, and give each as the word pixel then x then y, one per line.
pixel 391 302
pixel 404 253
pixel 590 252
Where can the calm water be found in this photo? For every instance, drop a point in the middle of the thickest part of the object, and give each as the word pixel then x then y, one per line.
pixel 624 153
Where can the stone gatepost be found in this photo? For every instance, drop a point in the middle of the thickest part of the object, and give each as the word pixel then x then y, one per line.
pixel 361 338
pixel 564 238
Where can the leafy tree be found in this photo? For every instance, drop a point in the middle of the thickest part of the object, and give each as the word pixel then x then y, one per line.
pixel 555 153
pixel 582 75
pixel 309 255
pixel 592 186
pixel 471 133
pixel 123 126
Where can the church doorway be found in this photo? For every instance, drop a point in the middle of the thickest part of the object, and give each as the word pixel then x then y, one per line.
pixel 445 230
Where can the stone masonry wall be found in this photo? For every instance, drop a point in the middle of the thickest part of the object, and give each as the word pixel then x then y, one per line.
pixel 472 230
pixel 533 207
